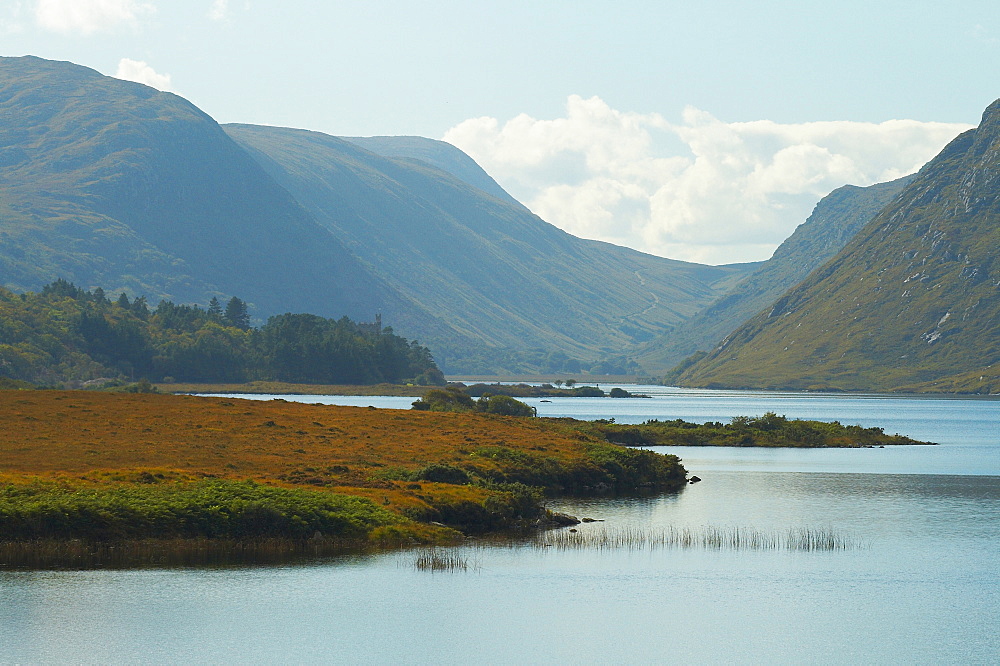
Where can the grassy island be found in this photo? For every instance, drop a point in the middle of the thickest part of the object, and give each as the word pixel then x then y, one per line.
pixel 769 430
pixel 93 468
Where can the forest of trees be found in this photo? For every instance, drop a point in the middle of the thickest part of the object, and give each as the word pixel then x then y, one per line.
pixel 67 334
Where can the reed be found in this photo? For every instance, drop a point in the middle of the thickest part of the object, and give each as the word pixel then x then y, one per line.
pixel 733 538
pixel 437 560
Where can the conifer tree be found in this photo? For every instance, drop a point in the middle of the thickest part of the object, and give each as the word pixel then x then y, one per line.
pixel 236 314
pixel 215 308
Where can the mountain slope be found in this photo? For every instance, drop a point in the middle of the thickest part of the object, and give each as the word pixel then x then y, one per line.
pixel 110 183
pixel 438 154
pixel 488 266
pixel 834 221
pixel 107 182
pixel 911 302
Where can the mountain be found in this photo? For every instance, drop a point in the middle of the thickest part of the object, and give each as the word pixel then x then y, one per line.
pixel 438 154
pixel 486 264
pixel 834 221
pixel 910 303
pixel 111 183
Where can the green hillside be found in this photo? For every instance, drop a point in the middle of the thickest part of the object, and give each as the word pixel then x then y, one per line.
pixel 834 221
pixel 114 184
pixel 488 267
pixel 911 303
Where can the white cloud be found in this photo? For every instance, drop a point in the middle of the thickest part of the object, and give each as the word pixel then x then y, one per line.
pixel 702 190
pixel 140 72
pixel 10 18
pixel 219 10
pixel 89 16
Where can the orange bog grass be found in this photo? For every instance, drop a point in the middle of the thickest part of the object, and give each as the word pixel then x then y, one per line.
pixel 80 433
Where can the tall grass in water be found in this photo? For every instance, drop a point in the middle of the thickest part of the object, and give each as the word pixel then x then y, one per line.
pixel 437 560
pixel 707 538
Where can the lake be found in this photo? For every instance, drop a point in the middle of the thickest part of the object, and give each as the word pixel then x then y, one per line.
pixel 918 583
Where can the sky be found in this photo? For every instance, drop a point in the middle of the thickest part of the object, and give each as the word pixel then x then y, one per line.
pixel 698 131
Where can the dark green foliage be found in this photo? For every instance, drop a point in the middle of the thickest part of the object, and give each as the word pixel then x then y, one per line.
pixel 449 399
pixel 441 473
pixel 67 334
pixel 635 468
pixel 504 405
pixel 528 391
pixel 307 348
pixel 767 430
pixel 236 314
pixel 513 506
pixel 215 309
pixel 606 467
pixel 455 399
pixel 213 509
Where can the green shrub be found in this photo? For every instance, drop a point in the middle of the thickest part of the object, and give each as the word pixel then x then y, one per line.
pixel 442 473
pixel 505 406
pixel 212 508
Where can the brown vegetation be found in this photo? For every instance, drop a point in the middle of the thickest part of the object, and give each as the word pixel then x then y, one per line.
pixel 96 434
pixel 468 471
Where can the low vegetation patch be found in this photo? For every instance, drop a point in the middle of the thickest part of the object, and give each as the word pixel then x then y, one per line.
pixel 455 399
pixel 109 468
pixel 767 430
pixel 211 508
pixel 543 391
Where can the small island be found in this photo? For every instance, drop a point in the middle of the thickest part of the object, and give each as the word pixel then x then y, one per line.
pixel 769 430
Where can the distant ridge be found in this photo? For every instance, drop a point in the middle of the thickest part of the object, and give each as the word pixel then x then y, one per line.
pixel 912 303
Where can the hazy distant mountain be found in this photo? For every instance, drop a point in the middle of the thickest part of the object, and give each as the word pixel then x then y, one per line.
pixel 834 221
pixel 114 184
pixel 487 266
pixel 439 154
pixel 910 303
pixel 110 183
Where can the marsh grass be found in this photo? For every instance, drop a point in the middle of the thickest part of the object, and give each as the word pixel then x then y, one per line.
pixel 435 560
pixel 735 538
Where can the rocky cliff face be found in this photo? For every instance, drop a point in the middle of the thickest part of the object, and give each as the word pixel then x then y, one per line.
pixel 834 221
pixel 911 303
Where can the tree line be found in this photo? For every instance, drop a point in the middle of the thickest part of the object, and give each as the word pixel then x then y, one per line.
pixel 68 334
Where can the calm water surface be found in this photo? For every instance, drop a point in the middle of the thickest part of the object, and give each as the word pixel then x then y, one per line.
pixel 921 585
